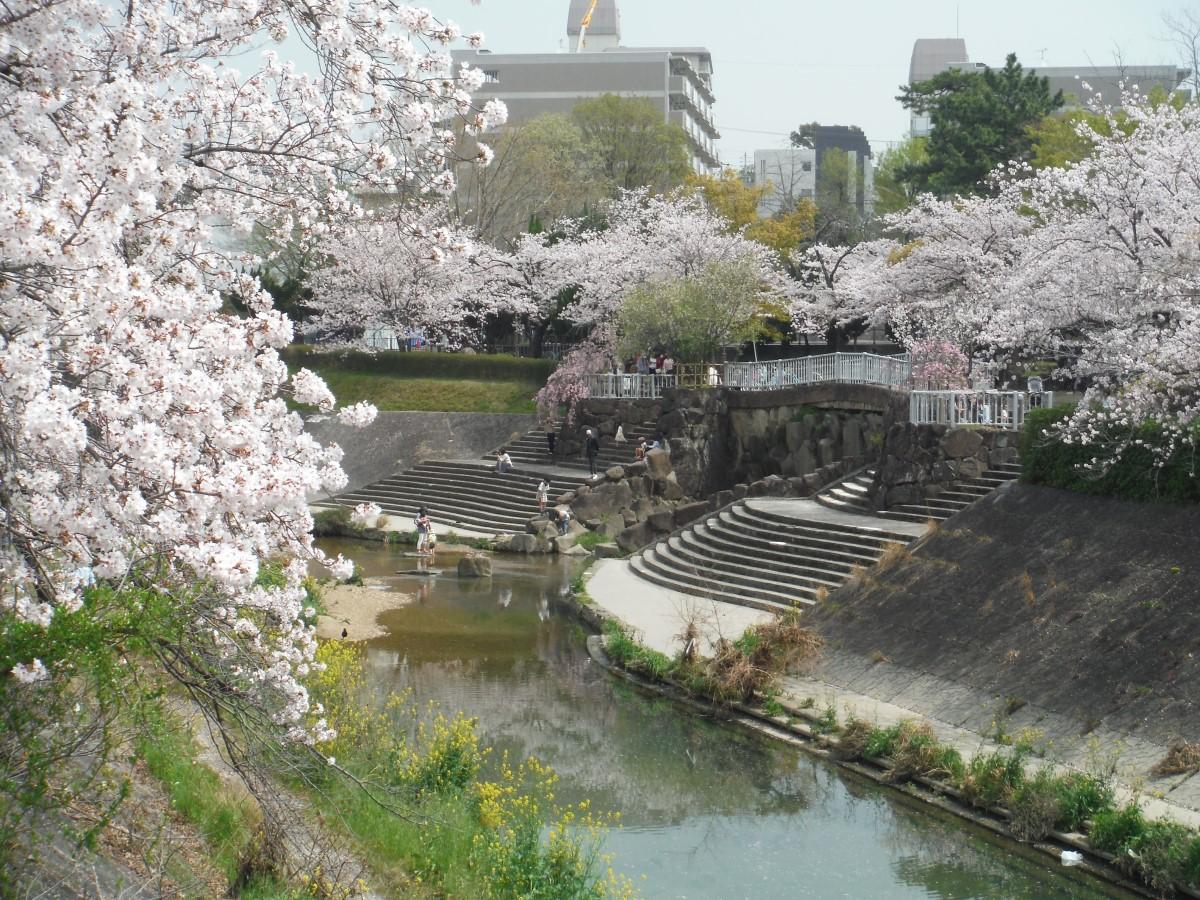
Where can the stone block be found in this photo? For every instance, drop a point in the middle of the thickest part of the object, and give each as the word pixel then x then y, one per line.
pixel 475 567
pixel 686 513
pixel 635 468
pixel 904 493
pixel 635 537
pixel 575 550
pixel 528 543
pixel 1003 455
pixel 565 499
pixel 608 551
pixel 812 482
pixel 642 508
pixel 629 517
pixel 798 487
pixel 741 491
pixel 826 451
pixel 662 520
pixel 605 500
pixel 776 486
pixel 758 488
pixel 616 473
pixel 658 464
pixel 669 489
pixel 961 443
pixel 564 542
pixel 970 467
pixel 805 459
pixel 611 527
pixel 722 498
pixel 796 434
pixel 541 526
pixel 852 438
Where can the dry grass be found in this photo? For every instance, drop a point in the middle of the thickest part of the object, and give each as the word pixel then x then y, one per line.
pixel 878 656
pixel 821 594
pixel 740 669
pixel 1182 759
pixel 853 740
pixel 1027 589
pixel 894 554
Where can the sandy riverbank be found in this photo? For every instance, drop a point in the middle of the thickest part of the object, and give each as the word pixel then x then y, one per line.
pixel 356 610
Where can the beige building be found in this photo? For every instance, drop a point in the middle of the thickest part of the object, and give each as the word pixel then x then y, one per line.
pixel 678 80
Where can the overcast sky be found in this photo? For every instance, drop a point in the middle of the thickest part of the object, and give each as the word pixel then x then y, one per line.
pixel 777 63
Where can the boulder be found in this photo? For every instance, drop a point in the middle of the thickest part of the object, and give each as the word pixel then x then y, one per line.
pixel 605 500
pixel 970 468
pixel 610 527
pixel 636 468
pixel 528 543
pixel 658 464
pixel 799 487
pixel 961 443
pixel 776 486
pixel 576 528
pixel 616 473
pixel 722 498
pixel 608 551
pixel 541 527
pixel 741 491
pixel 635 537
pixel 565 499
pixel 642 507
pixel 758 488
pixel 1003 455
pixel 669 489
pixel 663 520
pixel 812 482
pixel 629 517
pixel 687 513
pixel 475 567
pixel 904 493
pixel 564 542
pixel 575 550
pixel 796 435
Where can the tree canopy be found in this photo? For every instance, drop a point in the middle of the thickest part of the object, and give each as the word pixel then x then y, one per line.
pixel 894 190
pixel 636 148
pixel 980 120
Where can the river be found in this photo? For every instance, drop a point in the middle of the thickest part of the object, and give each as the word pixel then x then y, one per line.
pixel 708 810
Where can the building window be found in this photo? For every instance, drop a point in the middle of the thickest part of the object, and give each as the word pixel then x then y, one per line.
pixel 806 167
pixel 491 76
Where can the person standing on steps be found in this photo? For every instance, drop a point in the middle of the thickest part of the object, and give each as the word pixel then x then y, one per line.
pixel 551 438
pixel 504 463
pixel 620 436
pixel 592 448
pixel 543 495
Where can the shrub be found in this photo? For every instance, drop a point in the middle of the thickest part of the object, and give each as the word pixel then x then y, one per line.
pixel 852 741
pixel 1080 798
pixel 629 654
pixel 1114 829
pixel 1035 806
pixel 1046 460
pixel 881 742
pixel 989 780
pixel 1160 855
pixel 1181 759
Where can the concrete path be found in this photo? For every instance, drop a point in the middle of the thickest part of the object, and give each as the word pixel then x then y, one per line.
pixel 811 511
pixel 658 615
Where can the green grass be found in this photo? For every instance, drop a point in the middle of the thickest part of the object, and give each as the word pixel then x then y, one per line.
pixel 227 821
pixel 427 382
pixel 592 539
pixel 391 393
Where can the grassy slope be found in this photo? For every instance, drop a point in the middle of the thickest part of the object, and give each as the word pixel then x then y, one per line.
pixel 428 382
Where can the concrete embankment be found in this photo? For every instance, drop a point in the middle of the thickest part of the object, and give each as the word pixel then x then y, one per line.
pixel 1075 617
pixel 396 441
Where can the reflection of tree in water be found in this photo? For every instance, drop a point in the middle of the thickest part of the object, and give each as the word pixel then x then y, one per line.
pixel 949 860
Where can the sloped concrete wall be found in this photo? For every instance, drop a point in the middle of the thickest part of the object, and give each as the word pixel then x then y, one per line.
pixel 396 441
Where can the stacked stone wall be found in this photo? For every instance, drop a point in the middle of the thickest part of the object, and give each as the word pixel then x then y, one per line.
pixel 921 461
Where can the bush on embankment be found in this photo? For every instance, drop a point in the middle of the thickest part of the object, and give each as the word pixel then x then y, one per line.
pixel 468 366
pixel 1046 460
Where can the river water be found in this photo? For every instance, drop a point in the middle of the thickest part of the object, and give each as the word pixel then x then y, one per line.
pixel 708 810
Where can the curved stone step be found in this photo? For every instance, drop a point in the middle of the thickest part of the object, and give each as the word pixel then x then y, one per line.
pixel 648 566
pixel 812 542
pixel 722 545
pixel 741 573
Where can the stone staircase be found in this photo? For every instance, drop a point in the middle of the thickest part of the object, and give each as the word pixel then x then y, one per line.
pixel 468 495
pixel 852 495
pixel 531 452
pixel 768 554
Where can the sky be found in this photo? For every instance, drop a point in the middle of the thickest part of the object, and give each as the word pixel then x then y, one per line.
pixel 778 63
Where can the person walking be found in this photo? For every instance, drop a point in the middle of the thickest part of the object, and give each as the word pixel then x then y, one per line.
pixel 551 439
pixel 592 448
pixel 543 495
pixel 619 438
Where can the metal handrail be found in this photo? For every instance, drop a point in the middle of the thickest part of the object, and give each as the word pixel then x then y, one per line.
pixel 996 409
pixel 842 368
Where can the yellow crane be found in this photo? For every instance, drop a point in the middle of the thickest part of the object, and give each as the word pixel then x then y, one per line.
pixel 583 25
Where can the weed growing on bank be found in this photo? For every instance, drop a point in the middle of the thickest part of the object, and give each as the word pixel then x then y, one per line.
pixel 420 809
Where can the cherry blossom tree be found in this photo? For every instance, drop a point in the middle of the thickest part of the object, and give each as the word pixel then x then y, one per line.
pixel 149 461
pixel 411 274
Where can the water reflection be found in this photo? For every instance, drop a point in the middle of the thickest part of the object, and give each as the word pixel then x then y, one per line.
pixel 708 810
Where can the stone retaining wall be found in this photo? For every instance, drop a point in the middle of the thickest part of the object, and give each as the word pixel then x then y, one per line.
pixel 720 438
pixel 922 461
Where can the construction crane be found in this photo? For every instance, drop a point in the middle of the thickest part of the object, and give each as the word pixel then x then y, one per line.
pixel 583 25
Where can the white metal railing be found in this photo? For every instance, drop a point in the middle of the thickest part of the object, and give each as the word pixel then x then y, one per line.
pixel 628 387
pixel 998 409
pixel 844 368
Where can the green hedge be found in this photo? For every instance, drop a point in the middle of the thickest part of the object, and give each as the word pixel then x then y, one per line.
pixel 1133 477
pixel 466 366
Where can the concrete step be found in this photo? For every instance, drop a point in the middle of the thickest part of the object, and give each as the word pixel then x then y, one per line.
pixel 814 545
pixel 741 577
pixel 718 539
pixel 866 534
pixel 427 495
pixel 797 568
pixel 649 566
